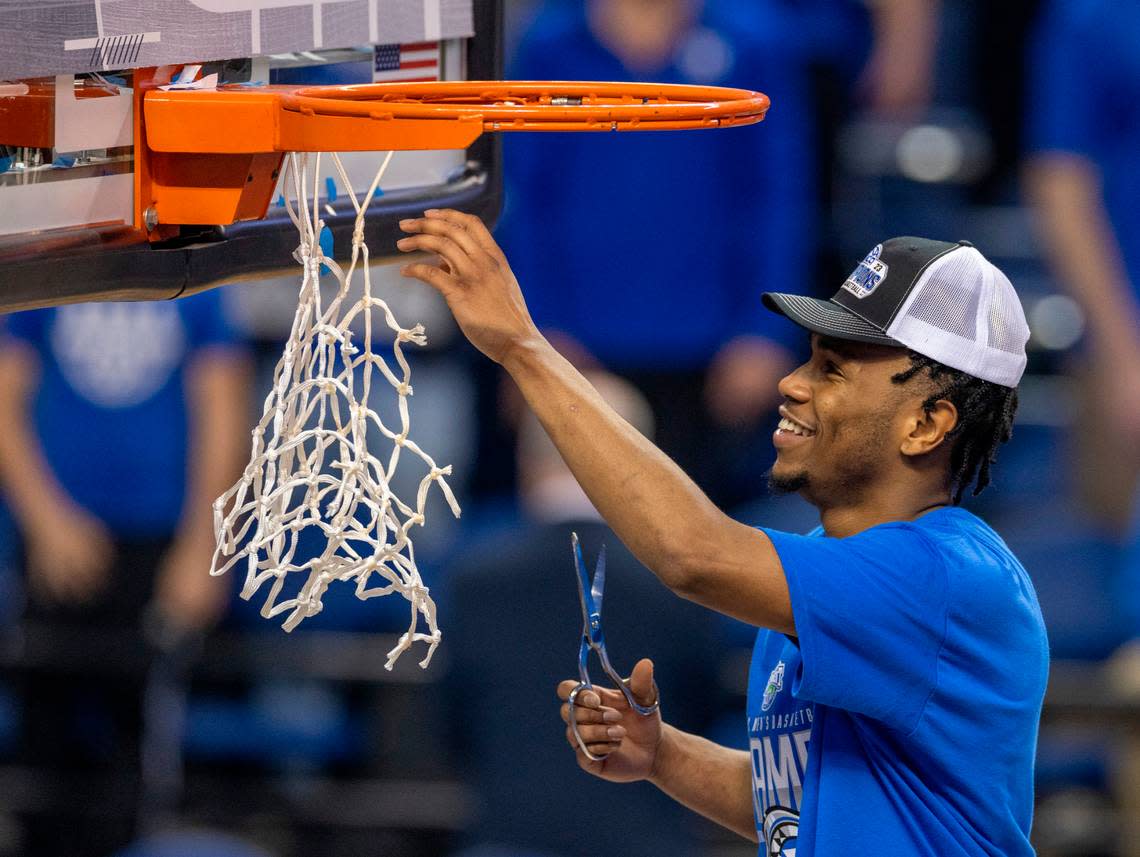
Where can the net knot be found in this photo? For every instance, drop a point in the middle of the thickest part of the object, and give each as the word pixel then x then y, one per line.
pixel 404 388
pixel 415 335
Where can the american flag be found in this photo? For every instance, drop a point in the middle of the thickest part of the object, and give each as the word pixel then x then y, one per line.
pixel 418 61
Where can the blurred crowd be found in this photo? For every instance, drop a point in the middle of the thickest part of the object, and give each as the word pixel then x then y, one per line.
pixel 145 710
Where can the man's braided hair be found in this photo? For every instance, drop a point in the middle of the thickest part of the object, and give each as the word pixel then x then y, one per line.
pixel 985 419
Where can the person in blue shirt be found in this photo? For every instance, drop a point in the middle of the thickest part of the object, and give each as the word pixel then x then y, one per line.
pixel 122 423
pixel 898 678
pixel 1083 177
pixel 119 425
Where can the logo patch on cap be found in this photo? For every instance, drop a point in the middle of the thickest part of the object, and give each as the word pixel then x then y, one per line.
pixel 867 274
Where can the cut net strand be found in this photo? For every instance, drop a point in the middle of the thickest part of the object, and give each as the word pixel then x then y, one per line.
pixel 310 469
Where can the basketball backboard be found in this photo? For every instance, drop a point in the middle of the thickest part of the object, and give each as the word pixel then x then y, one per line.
pixel 71 74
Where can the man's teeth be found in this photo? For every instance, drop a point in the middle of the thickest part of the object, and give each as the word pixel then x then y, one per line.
pixel 794 428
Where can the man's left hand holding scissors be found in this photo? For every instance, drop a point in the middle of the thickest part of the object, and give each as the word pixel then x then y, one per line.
pixel 610 726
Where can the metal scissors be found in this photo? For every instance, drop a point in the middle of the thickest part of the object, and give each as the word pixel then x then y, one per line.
pixel 590 593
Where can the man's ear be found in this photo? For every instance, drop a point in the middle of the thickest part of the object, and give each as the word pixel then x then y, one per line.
pixel 926 430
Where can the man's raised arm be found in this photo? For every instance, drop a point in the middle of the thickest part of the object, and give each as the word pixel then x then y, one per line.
pixel 662 516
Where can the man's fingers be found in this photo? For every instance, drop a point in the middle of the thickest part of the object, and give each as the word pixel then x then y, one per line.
pixel 599 745
pixel 587 698
pixel 442 246
pixel 590 766
pixel 590 715
pixel 456 232
pixel 641 682
pixel 598 696
pixel 474 226
pixel 600 734
pixel 432 275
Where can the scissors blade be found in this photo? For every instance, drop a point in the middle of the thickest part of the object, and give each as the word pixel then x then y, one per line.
pixel 585 595
pixel 597 590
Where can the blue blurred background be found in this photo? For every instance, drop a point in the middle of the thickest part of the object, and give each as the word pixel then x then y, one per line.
pixel 149 711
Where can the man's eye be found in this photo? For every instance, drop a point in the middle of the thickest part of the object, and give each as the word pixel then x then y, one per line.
pixel 829 368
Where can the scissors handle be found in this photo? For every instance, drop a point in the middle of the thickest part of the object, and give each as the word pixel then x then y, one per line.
pixel 623 685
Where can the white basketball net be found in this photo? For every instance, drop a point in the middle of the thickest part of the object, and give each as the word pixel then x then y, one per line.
pixel 310 466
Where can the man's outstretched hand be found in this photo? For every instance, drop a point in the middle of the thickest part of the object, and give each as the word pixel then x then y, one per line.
pixel 608 725
pixel 474 278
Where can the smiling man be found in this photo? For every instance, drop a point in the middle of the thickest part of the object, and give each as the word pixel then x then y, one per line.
pixel 898 675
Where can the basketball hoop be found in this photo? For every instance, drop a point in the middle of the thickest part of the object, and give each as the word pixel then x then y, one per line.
pixel 538 105
pixel 212 155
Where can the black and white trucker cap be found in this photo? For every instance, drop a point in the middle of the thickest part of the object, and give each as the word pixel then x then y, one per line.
pixel 945 301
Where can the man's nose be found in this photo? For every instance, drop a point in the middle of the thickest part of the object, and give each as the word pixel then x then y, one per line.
pixel 794 387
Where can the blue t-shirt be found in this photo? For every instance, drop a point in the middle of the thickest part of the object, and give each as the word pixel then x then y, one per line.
pixel 110 408
pixel 903 720
pixel 652 249
pixel 1085 100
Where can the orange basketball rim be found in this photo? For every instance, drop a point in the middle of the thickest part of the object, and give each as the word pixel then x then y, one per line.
pixel 214 156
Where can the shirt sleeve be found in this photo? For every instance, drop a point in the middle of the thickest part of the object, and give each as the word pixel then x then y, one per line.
pixel 871 616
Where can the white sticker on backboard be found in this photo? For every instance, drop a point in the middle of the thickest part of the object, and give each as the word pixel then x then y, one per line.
pixel 67 204
pixel 101 120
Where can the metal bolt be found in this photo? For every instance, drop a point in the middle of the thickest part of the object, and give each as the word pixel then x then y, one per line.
pixel 150 218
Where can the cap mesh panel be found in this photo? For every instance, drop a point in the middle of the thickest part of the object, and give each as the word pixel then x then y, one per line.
pixel 964 313
pixel 1003 335
pixel 942 302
